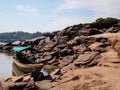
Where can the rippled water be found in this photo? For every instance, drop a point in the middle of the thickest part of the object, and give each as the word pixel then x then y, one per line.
pixel 5 65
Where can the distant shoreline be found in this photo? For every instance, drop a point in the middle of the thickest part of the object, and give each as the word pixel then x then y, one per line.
pixel 2 43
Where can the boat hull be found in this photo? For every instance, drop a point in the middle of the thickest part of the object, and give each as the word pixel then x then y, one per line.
pixel 25 68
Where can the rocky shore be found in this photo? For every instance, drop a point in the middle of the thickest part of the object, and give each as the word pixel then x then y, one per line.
pixel 84 55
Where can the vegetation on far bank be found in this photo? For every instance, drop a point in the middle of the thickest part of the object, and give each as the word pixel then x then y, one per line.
pixel 19 35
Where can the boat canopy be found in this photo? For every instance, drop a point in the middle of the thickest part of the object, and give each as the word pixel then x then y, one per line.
pixel 20 48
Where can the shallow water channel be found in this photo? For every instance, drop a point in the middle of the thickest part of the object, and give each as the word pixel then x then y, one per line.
pixel 5 65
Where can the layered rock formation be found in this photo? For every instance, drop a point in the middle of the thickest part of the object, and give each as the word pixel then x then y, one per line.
pixel 75 46
pixel 78 46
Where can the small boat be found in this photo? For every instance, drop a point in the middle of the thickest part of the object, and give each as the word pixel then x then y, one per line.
pixel 24 67
pixel 20 69
pixel 16 71
pixel 27 68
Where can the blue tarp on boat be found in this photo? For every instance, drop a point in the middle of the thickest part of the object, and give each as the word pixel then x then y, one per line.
pixel 20 48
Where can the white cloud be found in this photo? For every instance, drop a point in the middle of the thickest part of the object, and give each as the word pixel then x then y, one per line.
pixel 69 4
pixel 61 23
pixel 100 7
pixel 57 24
pixel 26 9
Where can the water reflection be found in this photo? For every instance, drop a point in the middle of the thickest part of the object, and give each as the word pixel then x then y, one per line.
pixel 5 65
pixel 16 71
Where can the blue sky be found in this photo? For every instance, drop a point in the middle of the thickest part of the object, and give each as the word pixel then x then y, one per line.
pixel 52 15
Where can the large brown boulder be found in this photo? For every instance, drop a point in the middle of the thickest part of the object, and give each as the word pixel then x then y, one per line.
pixel 85 58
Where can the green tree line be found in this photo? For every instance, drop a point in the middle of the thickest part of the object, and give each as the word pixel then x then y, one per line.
pixel 19 35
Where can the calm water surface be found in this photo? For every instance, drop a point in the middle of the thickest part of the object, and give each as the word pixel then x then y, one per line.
pixel 5 65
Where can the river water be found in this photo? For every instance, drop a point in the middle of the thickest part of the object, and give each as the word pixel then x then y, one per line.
pixel 5 65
